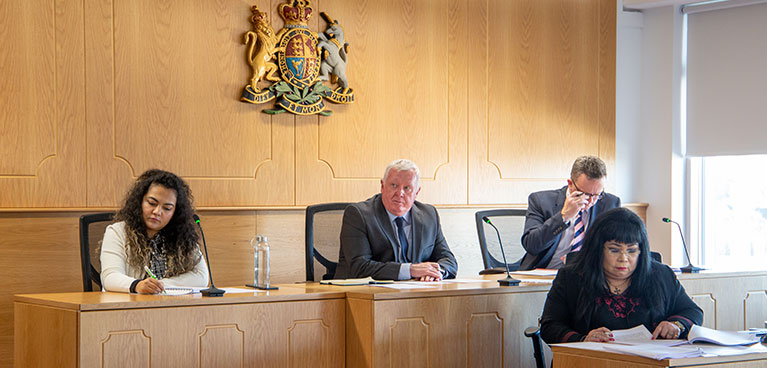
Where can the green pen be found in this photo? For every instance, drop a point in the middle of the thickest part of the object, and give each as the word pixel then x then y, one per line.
pixel 148 272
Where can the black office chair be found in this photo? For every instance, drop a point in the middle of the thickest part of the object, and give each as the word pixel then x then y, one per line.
pixel 91 232
pixel 323 231
pixel 534 333
pixel 511 225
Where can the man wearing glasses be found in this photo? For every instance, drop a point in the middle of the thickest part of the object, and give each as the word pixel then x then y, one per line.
pixel 557 220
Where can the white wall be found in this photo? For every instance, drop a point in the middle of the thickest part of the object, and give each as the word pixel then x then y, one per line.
pixel 650 167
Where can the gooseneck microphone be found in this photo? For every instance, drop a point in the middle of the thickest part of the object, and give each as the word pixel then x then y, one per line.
pixel 508 281
pixel 212 290
pixel 689 268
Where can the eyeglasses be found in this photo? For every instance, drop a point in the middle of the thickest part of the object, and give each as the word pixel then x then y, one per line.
pixel 590 196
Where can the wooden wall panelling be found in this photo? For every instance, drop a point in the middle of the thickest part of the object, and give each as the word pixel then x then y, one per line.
pixel 163 91
pixel 42 155
pixel 541 81
pixel 39 253
pixel 407 68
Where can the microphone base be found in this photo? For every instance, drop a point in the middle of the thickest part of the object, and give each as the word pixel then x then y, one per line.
pixel 509 281
pixel 691 269
pixel 262 288
pixel 212 291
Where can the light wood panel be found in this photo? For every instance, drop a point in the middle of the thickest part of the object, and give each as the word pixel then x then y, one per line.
pixel 42 155
pixel 738 300
pixel 53 341
pixel 440 82
pixel 424 331
pixel 755 309
pixel 541 80
pixel 707 303
pixel 164 93
pixel 408 68
pixel 260 334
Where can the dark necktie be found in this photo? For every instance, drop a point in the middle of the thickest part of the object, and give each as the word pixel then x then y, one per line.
pixel 402 238
pixel 578 233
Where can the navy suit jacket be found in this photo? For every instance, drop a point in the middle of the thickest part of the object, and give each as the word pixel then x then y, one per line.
pixel 369 244
pixel 544 224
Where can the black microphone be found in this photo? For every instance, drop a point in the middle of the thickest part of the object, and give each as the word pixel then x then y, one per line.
pixel 689 268
pixel 212 290
pixel 508 281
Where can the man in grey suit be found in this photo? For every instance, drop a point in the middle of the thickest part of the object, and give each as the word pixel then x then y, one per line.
pixel 557 220
pixel 391 236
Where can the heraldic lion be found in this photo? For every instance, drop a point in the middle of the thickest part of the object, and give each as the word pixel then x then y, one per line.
pixel 261 49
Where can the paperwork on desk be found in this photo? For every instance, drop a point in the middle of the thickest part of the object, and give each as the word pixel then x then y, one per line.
pixel 638 341
pixel 656 351
pixel 173 290
pixel 352 282
pixel 539 272
pixel 726 338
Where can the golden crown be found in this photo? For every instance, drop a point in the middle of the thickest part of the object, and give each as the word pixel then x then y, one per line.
pixel 296 12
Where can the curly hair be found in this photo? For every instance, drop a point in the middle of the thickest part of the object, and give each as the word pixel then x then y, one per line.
pixel 180 235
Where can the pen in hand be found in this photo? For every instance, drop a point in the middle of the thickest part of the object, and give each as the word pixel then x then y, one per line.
pixel 148 272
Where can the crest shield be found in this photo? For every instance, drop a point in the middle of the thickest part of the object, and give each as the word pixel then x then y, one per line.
pixel 298 58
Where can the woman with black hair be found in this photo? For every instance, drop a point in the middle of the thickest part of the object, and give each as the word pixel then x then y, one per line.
pixel 613 285
pixel 154 229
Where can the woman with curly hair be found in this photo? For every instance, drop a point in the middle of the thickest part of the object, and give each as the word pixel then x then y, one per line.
pixel 614 285
pixel 153 229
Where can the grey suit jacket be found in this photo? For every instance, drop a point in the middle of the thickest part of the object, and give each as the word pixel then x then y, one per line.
pixel 544 224
pixel 369 244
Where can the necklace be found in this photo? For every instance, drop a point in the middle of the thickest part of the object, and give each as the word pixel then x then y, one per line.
pixel 617 289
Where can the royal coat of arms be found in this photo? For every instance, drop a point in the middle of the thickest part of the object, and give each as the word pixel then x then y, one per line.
pixel 297 60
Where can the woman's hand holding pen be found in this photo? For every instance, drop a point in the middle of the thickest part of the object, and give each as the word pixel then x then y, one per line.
pixel 149 286
pixel 152 285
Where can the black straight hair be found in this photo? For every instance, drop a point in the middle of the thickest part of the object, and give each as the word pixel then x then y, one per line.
pixel 620 225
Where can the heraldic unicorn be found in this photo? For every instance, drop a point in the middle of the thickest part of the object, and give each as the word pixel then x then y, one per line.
pixel 302 59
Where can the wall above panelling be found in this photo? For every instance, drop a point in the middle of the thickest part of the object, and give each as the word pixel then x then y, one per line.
pixel 101 90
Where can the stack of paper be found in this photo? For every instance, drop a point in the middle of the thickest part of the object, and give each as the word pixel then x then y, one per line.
pixel 655 351
pixel 726 338
pixel 351 282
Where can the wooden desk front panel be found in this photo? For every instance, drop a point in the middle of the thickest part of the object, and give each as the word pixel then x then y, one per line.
pixel 454 331
pixel 732 303
pixel 285 334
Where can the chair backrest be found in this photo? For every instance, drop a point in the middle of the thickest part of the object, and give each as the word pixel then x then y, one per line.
pixel 91 232
pixel 511 225
pixel 323 239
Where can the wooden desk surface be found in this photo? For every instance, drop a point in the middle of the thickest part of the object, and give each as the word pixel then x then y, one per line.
pixel 94 301
pixel 571 356
pixel 483 286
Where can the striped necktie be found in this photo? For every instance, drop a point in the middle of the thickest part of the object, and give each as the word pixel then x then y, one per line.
pixel 578 233
pixel 402 238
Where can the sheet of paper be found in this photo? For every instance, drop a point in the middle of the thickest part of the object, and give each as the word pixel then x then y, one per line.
pixel 730 338
pixel 236 290
pixel 535 281
pixel 459 281
pixel 179 291
pixel 537 272
pixel 400 285
pixel 424 283
pixel 634 334
pixel 653 351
